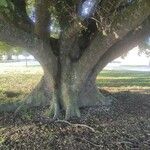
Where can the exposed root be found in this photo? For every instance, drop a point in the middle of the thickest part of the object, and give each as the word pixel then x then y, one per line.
pixel 83 126
pixel 54 111
pixel 76 125
pixel 35 99
pixel 44 120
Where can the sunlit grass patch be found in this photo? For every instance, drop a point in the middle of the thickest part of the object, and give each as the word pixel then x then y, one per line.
pixel 17 86
pixel 15 83
pixel 124 79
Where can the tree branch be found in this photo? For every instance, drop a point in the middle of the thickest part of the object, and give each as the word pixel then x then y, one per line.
pixel 42 23
pixel 18 15
pixel 122 25
pixel 130 41
pixel 69 35
pixel 19 38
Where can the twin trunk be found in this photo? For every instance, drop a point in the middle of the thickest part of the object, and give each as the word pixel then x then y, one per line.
pixel 67 89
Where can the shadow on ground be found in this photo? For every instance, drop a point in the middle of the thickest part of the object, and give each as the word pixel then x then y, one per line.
pixel 125 125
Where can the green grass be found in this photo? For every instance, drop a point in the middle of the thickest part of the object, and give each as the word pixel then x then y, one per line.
pixel 124 79
pixel 16 84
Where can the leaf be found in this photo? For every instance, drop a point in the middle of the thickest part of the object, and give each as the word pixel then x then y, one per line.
pixel 3 3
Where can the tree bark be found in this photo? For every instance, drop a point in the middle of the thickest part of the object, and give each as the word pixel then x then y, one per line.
pixel 68 93
pixel 90 95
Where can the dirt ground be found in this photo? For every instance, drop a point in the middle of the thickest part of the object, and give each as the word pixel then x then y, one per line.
pixel 123 126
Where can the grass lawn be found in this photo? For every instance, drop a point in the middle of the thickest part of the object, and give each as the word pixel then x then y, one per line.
pixel 124 126
pixel 114 81
pixel 15 84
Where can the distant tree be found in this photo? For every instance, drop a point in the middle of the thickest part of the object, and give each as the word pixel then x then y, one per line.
pixel 9 50
pixel 144 48
pixel 1 56
pixel 25 54
pixel 73 40
pixel 6 49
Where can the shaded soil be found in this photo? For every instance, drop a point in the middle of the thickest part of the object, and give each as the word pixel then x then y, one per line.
pixel 123 126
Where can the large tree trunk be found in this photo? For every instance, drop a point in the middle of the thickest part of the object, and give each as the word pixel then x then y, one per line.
pixel 68 86
pixel 68 93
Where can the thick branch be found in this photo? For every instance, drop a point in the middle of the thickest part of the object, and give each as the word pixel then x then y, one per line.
pixel 16 37
pixel 130 41
pixel 69 35
pixel 20 16
pixel 42 23
pixel 16 14
pixel 125 23
pixel 35 46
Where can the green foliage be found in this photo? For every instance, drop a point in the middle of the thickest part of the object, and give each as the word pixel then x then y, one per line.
pixel 3 3
pixel 5 49
pixel 2 140
pixel 6 8
pixel 30 6
pixel 64 10
pixel 144 47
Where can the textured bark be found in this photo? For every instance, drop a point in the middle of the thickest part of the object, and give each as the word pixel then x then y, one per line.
pixel 69 94
pixel 42 18
pixel 90 95
pixel 33 44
